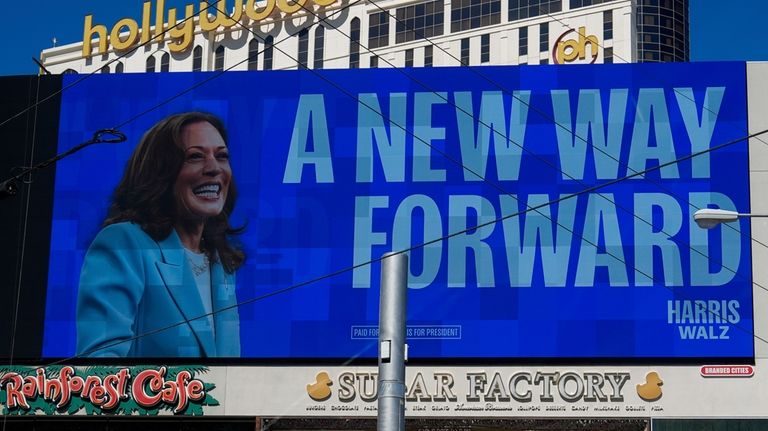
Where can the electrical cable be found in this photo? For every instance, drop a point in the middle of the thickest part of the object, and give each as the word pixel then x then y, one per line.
pixel 221 72
pixel 23 239
pixel 677 93
pixel 341 89
pixel 23 235
pixel 482 178
pixel 159 37
pixel 544 160
pixel 421 245
pixel 115 130
pixel 369 107
pixel 468 229
pixel 566 128
pixel 547 162
pixel 574 134
pixel 564 24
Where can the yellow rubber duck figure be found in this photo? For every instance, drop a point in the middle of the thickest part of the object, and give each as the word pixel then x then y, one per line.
pixel 651 389
pixel 320 390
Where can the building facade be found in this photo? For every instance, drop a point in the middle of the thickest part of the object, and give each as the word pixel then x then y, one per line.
pixel 338 34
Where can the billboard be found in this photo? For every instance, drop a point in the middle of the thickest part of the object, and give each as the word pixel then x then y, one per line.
pixel 486 176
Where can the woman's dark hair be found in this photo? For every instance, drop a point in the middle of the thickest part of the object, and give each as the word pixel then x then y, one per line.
pixel 145 194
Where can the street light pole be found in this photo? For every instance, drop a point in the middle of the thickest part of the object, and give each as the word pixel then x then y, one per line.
pixel 707 218
pixel 392 347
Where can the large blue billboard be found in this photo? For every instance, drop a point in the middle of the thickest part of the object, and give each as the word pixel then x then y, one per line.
pixel 336 167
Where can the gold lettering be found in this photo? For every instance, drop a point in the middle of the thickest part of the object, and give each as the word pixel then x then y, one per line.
pixel 182 36
pixel 591 40
pixel 160 20
pixel 572 49
pixel 286 7
pixel 237 13
pixel 220 11
pixel 145 24
pixel 133 34
pixel 258 15
pixel 88 31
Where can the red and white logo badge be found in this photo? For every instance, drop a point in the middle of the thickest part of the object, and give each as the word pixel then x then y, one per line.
pixel 727 371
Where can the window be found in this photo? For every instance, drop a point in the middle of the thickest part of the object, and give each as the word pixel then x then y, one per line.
pixel 522 9
pixel 165 62
pixel 523 48
pixel 354 44
pixel 428 57
pixel 469 14
pixel 485 48
pixel 465 51
pixel 608 25
pixel 374 61
pixel 150 64
pixel 118 67
pixel 544 61
pixel 544 37
pixel 662 29
pixel 378 30
pixel 419 21
pixel 303 48
pixel 268 52
pixel 319 47
pixel 218 63
pixel 197 59
pixel 253 54
pixel 104 69
pixel 608 55
pixel 409 57
pixel 583 3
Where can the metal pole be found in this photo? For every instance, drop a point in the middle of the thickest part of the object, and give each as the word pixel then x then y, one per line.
pixel 392 302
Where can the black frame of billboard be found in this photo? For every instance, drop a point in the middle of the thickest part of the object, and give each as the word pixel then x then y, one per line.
pixel 25 219
pixel 25 230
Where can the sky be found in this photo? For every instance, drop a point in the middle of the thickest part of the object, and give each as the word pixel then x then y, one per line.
pixel 720 30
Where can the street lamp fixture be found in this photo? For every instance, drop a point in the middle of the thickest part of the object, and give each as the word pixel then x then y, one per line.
pixel 708 218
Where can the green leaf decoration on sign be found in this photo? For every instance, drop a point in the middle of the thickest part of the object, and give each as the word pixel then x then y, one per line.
pixel 209 400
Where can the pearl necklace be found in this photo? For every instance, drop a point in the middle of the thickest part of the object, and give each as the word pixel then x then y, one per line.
pixel 198 268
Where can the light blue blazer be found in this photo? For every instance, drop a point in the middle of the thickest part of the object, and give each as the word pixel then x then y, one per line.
pixel 138 298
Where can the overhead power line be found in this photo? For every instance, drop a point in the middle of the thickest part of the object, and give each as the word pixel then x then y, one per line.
pixel 421 245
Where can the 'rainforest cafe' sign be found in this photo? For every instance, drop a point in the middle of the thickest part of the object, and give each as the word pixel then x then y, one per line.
pixel 104 390
pixel 211 17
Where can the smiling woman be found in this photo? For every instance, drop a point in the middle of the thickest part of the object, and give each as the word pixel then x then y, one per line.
pixel 158 280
